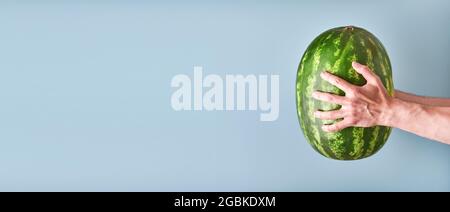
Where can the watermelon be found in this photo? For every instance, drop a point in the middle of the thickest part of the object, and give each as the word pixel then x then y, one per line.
pixel 334 51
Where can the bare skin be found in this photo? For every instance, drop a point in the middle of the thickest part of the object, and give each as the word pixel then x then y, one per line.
pixel 425 100
pixel 370 105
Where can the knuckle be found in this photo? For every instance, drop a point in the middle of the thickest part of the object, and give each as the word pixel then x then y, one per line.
pixel 366 69
pixel 345 101
pixel 351 93
pixel 328 115
pixel 378 81
pixel 356 92
pixel 327 97
pixel 338 81
pixel 376 77
pixel 352 121
pixel 333 127
pixel 352 106
pixel 353 113
pixel 320 95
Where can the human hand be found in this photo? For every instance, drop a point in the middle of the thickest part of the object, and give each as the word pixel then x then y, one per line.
pixel 362 106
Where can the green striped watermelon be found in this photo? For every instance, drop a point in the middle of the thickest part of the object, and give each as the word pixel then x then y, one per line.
pixel 334 50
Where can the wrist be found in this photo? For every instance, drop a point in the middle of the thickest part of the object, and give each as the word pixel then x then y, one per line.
pixel 398 111
pixel 391 113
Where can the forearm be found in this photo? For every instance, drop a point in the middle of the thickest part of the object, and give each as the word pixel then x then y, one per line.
pixel 433 101
pixel 427 121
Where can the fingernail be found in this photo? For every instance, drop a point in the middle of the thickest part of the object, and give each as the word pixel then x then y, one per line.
pixel 314 94
pixel 325 128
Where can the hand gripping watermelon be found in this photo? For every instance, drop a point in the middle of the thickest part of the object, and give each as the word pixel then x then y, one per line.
pixel 334 51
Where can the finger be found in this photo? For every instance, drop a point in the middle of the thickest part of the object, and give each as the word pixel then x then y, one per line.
pixel 330 98
pixel 336 81
pixel 329 115
pixel 336 127
pixel 365 71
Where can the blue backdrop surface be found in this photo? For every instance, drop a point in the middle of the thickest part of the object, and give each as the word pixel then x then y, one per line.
pixel 85 95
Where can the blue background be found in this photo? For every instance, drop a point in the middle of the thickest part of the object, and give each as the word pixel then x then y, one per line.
pixel 85 95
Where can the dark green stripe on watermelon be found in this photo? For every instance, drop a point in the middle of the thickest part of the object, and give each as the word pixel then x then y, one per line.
pixel 334 51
